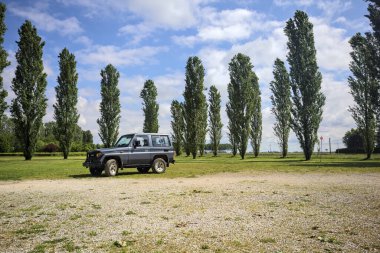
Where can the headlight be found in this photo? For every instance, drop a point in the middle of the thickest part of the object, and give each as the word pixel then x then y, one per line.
pixel 98 155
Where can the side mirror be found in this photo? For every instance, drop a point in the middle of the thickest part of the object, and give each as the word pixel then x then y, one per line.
pixel 135 144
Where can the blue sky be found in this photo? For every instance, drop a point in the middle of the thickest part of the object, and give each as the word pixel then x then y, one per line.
pixel 151 39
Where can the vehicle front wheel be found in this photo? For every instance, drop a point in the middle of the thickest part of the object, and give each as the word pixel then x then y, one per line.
pixel 143 170
pixel 159 166
pixel 95 172
pixel 111 168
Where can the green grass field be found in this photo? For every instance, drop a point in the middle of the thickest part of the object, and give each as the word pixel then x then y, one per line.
pixel 54 167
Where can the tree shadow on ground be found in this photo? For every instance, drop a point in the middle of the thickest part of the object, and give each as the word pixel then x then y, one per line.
pixel 348 164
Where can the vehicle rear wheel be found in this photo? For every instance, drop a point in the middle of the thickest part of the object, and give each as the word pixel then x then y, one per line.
pixel 143 170
pixel 111 168
pixel 159 166
pixel 95 172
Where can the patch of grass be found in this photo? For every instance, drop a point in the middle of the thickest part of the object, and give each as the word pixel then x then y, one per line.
pixel 54 167
pixel 267 240
pixel 75 217
pixel 70 246
pixel 33 229
pixel 126 233
pixel 47 246
pixel 62 206
pixel 130 213
pixel 55 241
pixel 96 206
pixel 33 208
pixel 205 246
pixel 92 233
pixel 40 248
pixel 200 191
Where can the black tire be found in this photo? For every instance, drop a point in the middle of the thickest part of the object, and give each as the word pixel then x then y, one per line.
pixel 95 172
pixel 111 168
pixel 143 170
pixel 159 166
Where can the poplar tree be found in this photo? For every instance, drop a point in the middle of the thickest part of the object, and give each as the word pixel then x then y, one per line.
pixel 215 122
pixel 194 105
pixel 29 86
pixel 65 111
pixel 231 137
pixel 109 106
pixel 177 125
pixel 257 119
pixel 203 126
pixel 363 83
pixel 241 95
pixel 305 81
pixel 3 62
pixel 374 18
pixel 282 104
pixel 150 107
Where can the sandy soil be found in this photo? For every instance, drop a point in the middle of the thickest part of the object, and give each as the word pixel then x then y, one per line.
pixel 266 212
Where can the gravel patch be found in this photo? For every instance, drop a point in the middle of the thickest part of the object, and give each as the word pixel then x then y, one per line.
pixel 239 212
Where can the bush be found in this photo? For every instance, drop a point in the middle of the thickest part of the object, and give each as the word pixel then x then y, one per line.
pixel 51 147
pixel 355 151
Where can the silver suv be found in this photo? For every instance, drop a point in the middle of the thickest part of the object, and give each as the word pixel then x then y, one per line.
pixel 139 150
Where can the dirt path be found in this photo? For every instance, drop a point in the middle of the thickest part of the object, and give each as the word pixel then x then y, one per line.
pixel 238 212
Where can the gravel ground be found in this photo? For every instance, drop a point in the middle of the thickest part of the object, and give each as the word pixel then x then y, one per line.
pixel 240 212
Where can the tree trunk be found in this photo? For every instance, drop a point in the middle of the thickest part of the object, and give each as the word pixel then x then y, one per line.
pixel 307 154
pixel 28 152
pixel 234 150
pixel 27 155
pixel 284 150
pixel 256 152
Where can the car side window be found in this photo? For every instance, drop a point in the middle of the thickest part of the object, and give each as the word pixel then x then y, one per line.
pixel 160 141
pixel 142 141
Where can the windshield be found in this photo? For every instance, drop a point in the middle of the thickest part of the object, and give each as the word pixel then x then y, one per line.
pixel 124 141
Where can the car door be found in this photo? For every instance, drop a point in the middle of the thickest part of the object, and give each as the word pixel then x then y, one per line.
pixel 140 153
pixel 160 144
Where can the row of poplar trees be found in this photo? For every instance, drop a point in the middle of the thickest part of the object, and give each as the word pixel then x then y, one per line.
pixel 364 82
pixel 296 98
pixel 189 118
pixel 194 118
pixel 29 86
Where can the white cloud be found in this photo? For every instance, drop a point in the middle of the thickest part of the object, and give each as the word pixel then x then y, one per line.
pixel 84 40
pixel 293 2
pixel 47 22
pixel 333 49
pixel 138 32
pixel 331 8
pixel 174 14
pixel 89 113
pixel 360 24
pixel 227 25
pixel 151 14
pixel 103 55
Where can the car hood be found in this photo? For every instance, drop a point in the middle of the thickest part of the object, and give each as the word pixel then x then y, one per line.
pixel 109 150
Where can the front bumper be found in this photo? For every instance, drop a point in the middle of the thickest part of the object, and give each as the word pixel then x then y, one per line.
pixel 92 164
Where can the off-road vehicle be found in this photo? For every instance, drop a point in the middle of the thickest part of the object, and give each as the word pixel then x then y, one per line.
pixel 141 151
